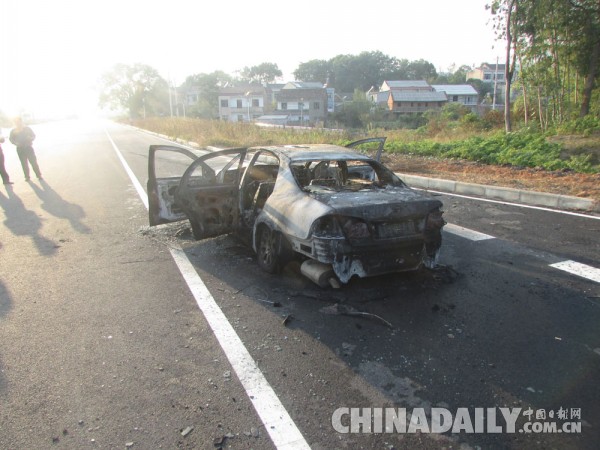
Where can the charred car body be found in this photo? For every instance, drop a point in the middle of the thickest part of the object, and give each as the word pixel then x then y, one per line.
pixel 342 211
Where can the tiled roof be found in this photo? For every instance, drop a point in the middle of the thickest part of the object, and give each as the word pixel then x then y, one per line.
pixel 403 84
pixel 242 90
pixel 455 89
pixel 303 85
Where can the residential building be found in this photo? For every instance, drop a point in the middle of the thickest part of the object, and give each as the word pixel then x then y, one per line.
pixel 408 97
pixel 243 103
pixel 491 74
pixel 406 85
pixel 305 103
pixel 465 94
pixel 488 73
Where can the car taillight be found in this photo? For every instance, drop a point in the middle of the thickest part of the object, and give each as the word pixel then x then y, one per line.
pixel 435 221
pixel 327 227
pixel 355 228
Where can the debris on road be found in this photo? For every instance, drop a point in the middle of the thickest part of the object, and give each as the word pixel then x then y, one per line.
pixel 287 320
pixel 345 310
pixel 187 431
pixel 273 304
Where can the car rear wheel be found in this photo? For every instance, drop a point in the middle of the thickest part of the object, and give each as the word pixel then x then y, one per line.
pixel 197 230
pixel 268 250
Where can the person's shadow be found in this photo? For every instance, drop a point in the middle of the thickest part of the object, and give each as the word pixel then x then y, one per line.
pixel 54 204
pixel 23 222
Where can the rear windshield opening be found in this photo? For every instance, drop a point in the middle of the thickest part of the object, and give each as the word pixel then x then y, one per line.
pixel 352 175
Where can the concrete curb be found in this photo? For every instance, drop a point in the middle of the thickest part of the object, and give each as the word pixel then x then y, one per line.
pixel 543 199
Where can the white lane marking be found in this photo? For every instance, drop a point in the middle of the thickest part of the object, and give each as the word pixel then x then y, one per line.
pixel 136 184
pixel 278 423
pixel 579 269
pixel 466 233
pixel 520 205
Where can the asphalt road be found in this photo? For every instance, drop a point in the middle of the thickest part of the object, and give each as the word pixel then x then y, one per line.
pixel 109 340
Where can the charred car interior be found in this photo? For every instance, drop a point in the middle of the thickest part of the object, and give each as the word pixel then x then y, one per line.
pixel 338 210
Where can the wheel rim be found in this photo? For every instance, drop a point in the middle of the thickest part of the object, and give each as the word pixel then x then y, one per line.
pixel 267 247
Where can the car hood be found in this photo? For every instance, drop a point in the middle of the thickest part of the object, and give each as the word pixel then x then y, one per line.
pixel 392 202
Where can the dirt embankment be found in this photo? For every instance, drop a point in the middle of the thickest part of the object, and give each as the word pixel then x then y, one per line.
pixel 560 182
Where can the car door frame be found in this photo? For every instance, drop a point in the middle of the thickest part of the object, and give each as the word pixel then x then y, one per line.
pixel 380 140
pixel 212 208
pixel 159 209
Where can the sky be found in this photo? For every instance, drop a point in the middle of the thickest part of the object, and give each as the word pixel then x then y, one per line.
pixel 53 52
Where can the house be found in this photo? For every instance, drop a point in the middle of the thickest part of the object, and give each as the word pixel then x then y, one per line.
pixel 243 103
pixel 488 73
pixel 305 103
pixel 465 94
pixel 409 97
pixel 492 74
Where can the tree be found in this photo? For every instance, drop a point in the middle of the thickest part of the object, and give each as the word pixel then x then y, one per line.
pixel 263 73
pixel 137 88
pixel 589 11
pixel 507 23
pixel 557 44
pixel 317 70
pixel 363 71
pixel 421 70
pixel 207 88
pixel 459 76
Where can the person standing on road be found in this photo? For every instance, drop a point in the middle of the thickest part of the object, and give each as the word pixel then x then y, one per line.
pixel 3 172
pixel 22 136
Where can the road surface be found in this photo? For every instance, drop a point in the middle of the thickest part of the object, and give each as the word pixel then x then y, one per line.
pixel 117 335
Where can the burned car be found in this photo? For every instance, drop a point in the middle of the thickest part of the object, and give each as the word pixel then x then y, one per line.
pixel 342 212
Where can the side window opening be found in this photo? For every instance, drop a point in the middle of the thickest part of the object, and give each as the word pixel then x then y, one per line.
pixel 258 184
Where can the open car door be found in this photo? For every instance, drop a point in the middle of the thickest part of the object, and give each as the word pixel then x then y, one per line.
pixel 379 140
pixel 207 193
pixel 161 187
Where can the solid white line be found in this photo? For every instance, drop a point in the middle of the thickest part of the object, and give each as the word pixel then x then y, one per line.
pixel 466 233
pixel 582 270
pixel 278 423
pixel 136 184
pixel 520 205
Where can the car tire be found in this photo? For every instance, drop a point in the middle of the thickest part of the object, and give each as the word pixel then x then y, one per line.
pixel 268 250
pixel 197 230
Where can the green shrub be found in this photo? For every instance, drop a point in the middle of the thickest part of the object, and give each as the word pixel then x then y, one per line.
pixel 521 149
pixel 582 125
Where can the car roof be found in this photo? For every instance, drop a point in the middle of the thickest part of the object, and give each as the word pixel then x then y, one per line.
pixel 309 152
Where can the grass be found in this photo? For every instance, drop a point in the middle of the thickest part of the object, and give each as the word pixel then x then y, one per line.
pixel 519 149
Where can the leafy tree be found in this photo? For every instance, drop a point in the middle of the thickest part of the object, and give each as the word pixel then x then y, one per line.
pixel 207 86
pixel 459 76
pixel 363 71
pixel 263 73
pixel 421 70
pixel 483 89
pixel 317 70
pixel 557 44
pixel 588 59
pixel 137 88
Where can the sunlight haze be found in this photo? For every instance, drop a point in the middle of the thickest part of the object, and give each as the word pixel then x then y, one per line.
pixel 53 53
